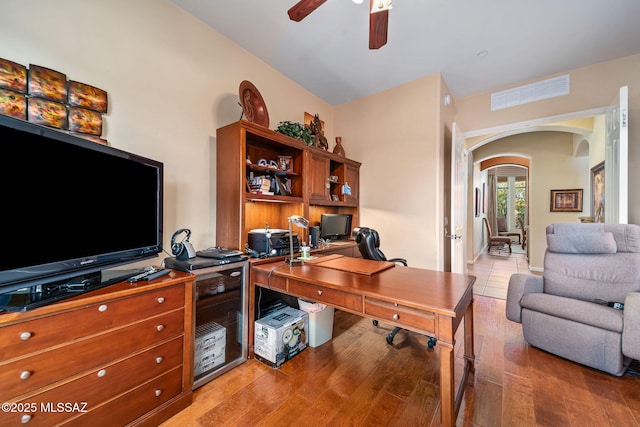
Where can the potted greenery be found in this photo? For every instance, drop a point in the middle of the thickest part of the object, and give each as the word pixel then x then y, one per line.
pixel 295 130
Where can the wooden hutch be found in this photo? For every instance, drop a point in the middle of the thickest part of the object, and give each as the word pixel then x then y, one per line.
pixel 312 191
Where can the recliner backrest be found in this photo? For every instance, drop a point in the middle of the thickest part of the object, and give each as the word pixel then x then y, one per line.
pixel 591 261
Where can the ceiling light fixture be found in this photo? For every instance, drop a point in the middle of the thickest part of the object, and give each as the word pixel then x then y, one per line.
pixel 358 1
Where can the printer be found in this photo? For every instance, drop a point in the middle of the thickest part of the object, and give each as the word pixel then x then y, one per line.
pixel 271 241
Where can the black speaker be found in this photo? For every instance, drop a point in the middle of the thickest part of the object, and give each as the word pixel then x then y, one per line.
pixel 183 249
pixel 314 236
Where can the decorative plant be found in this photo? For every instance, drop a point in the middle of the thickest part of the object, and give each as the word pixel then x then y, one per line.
pixel 296 130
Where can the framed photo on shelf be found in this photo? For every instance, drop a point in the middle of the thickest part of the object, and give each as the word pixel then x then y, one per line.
pixel 285 163
pixel 283 186
pixel 566 200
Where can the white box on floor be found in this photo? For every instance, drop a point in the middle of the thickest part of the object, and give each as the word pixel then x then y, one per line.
pixel 280 335
pixel 320 321
pixel 209 347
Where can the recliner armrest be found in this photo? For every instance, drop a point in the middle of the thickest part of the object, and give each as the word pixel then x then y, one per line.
pixel 519 285
pixel 631 328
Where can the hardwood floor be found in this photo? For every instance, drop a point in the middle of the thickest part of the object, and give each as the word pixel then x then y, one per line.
pixel 357 379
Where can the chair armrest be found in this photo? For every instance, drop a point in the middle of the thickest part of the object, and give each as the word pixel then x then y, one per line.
pixel 399 260
pixel 631 329
pixel 519 285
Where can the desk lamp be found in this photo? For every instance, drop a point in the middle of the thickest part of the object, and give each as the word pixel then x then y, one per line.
pixel 300 221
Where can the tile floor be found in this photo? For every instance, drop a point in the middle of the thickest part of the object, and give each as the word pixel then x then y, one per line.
pixel 493 271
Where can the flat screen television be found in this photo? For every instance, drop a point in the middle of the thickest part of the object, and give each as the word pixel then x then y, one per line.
pixel 335 226
pixel 72 209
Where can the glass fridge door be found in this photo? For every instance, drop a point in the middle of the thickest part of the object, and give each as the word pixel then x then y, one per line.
pixel 221 313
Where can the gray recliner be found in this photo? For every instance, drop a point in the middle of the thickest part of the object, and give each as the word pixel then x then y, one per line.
pixel 588 268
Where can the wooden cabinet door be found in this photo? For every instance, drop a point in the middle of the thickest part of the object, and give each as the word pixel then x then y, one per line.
pixel 318 175
pixel 351 177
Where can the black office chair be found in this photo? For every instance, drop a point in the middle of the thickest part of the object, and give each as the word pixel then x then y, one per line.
pixel 368 241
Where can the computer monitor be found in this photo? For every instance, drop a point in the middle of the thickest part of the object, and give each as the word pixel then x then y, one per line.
pixel 335 226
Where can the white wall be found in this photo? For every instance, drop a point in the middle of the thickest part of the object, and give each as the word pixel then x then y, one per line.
pixel 397 136
pixel 171 82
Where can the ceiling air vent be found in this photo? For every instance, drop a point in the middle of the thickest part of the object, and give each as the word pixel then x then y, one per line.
pixel 544 89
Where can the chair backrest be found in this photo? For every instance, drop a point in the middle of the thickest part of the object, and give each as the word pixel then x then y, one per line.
pixel 368 242
pixel 592 261
pixel 488 227
pixel 523 231
pixel 502 224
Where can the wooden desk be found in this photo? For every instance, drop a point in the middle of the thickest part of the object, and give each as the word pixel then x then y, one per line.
pixel 424 301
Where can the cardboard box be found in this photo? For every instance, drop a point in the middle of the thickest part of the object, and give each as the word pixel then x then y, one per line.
pixel 280 335
pixel 209 347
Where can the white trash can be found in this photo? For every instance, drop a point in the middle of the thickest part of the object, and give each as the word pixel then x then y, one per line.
pixel 320 321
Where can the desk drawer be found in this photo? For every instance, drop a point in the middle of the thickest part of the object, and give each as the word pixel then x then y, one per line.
pixel 401 315
pixel 267 280
pixel 25 375
pixel 28 337
pixel 332 297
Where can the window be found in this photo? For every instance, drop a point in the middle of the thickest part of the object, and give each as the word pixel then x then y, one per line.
pixel 502 197
pixel 520 196
pixel 511 199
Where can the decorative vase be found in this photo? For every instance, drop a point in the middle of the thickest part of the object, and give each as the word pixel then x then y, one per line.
pixel 338 149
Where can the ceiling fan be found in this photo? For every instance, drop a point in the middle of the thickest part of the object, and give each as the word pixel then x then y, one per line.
pixel 378 18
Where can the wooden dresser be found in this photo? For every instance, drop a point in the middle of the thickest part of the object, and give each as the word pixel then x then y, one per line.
pixel 115 356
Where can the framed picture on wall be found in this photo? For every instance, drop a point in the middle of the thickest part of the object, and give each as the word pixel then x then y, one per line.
pixel 478 201
pixel 597 192
pixel 566 200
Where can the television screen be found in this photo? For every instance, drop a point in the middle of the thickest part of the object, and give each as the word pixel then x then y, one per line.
pixel 73 206
pixel 335 226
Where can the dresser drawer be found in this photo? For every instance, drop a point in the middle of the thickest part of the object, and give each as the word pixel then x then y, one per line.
pixel 26 375
pixel 401 315
pixel 28 337
pixel 90 390
pixel 126 408
pixel 332 297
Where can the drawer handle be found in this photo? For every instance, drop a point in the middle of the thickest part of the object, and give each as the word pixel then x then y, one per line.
pixel 25 336
pixel 319 292
pixel 102 308
pixel 159 359
pixel 102 373
pixel 158 392
pixel 25 375
pixel 160 328
pixel 396 316
pixel 160 300
pixel 25 418
pixel 395 304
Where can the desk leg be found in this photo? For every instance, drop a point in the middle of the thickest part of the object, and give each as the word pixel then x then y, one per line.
pixel 447 385
pixel 450 401
pixel 469 354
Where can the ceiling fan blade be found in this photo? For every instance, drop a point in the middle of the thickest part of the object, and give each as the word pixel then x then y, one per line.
pixel 378 24
pixel 300 10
